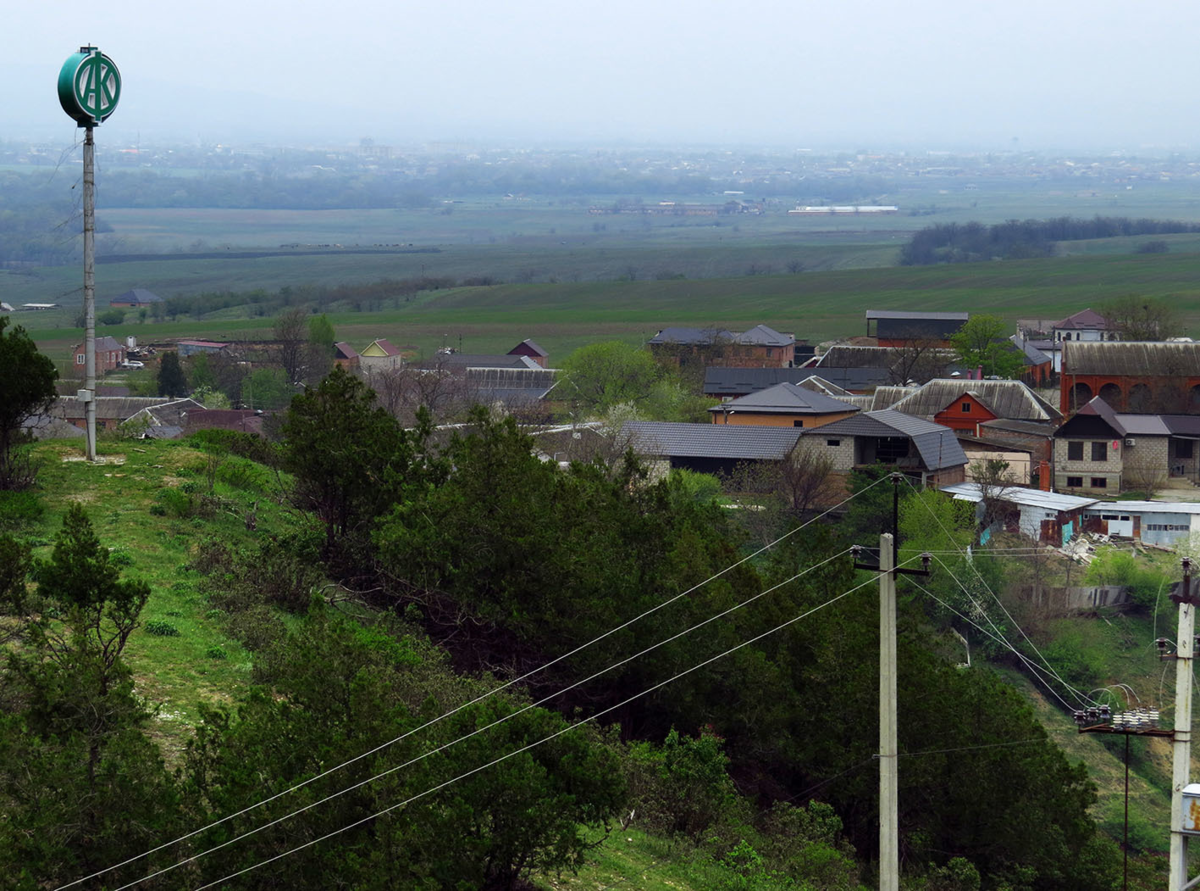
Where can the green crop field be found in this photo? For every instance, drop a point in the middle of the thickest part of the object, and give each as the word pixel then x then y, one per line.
pixel 817 305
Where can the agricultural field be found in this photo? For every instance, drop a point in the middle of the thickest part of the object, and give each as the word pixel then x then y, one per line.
pixel 815 305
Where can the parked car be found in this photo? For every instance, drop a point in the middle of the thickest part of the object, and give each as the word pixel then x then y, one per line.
pixel 129 363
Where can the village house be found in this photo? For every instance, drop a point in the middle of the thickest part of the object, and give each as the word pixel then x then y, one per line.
pixel 784 405
pixel 965 405
pixel 1104 451
pixel 760 347
pixel 898 328
pixel 109 355
pixel 706 448
pixel 192 347
pixel 927 452
pixel 345 356
pixel 112 411
pixel 532 351
pixel 379 355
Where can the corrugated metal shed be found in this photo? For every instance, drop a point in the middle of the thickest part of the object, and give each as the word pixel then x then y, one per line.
pixel 1022 496
pixel 711 440
pixel 1137 359
pixel 1005 399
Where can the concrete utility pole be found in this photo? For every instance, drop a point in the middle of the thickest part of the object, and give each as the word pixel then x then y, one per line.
pixel 889 774
pixel 89 288
pixel 1182 748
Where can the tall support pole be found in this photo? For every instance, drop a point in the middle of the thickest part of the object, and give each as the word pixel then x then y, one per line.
pixel 1181 767
pixel 889 788
pixel 89 288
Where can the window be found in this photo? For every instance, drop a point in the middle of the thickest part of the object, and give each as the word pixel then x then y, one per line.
pixel 797 423
pixel 1099 482
pixel 1183 448
pixel 1074 482
pixel 833 443
pixel 79 359
pixel 1099 451
pixel 966 407
pixel 1074 451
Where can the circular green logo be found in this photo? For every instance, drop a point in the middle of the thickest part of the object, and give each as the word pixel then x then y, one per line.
pixel 89 86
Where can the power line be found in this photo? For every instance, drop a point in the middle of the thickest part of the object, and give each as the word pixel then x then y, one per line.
pixel 480 730
pixel 474 701
pixel 537 743
pixel 1037 671
pixel 1053 673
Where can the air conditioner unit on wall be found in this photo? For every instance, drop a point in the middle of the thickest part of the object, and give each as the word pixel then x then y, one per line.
pixel 1130 443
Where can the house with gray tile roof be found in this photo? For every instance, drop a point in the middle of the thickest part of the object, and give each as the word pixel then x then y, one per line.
pixel 707 448
pixel 923 450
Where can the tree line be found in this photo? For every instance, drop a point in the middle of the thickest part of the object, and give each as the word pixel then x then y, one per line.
pixel 1022 239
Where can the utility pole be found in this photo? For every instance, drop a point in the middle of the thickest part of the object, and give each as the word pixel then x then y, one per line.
pixel 1182 748
pixel 889 772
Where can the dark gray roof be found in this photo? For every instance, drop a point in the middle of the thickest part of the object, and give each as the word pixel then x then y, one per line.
pixel 819 385
pixel 1131 358
pixel 741 443
pixel 857 378
pixel 937 445
pixel 1005 399
pixel 786 399
pixel 1031 428
pixel 119 408
pixel 479 360
pixel 720 381
pixel 761 335
pixel 1033 355
pixel 900 314
pixel 691 336
pixel 842 355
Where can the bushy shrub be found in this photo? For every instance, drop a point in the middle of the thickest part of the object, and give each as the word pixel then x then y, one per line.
pixel 160 628
pixel 19 508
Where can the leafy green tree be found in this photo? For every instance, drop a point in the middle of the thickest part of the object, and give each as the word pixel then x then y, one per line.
pixel 320 333
pixel 1142 318
pixel 349 456
pixel 334 688
pixel 266 389
pixel 111 317
pixel 171 379
pixel 981 343
pixel 601 375
pixel 81 785
pixel 27 382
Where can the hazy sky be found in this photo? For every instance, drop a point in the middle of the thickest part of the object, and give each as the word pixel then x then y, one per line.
pixel 852 73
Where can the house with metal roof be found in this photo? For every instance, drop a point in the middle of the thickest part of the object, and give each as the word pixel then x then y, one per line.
pixel 379 355
pixel 891 364
pixel 731 383
pixel 109 354
pixel 1086 325
pixel 345 356
pixel 1046 517
pixel 783 405
pixel 531 350
pixel 964 405
pixel 707 448
pixel 1131 376
pixel 901 327
pixel 921 449
pixel 1105 451
pixel 760 347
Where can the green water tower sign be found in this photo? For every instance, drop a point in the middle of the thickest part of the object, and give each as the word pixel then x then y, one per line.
pixel 89 86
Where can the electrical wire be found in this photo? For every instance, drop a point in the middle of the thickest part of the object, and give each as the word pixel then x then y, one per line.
pixel 1037 671
pixel 1045 662
pixel 480 730
pixel 537 743
pixel 476 700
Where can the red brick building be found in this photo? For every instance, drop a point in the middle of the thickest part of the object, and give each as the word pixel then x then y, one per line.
pixel 109 355
pixel 1134 377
